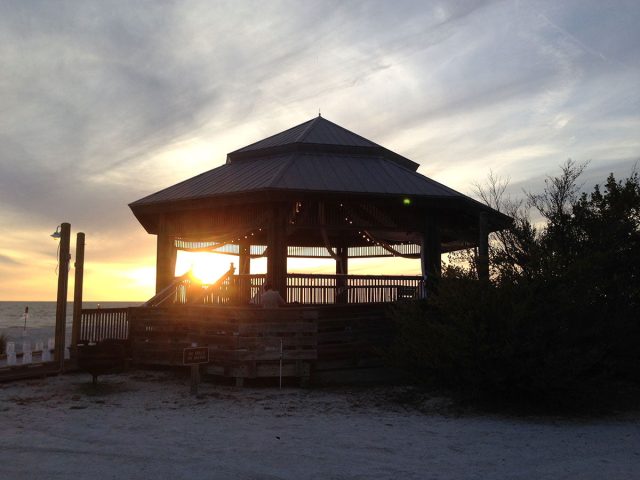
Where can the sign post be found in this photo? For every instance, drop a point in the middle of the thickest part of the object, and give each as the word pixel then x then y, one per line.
pixel 195 356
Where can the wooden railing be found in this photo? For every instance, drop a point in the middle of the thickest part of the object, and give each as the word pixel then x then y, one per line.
pixel 310 289
pixel 219 293
pixel 186 290
pixel 328 289
pixel 172 293
pixel 248 287
pixel 304 289
pixel 98 324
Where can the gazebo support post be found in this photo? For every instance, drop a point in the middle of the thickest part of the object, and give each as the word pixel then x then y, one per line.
pixel 165 259
pixel 342 268
pixel 244 268
pixel 483 247
pixel 277 250
pixel 430 252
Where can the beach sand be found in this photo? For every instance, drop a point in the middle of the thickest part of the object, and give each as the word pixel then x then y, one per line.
pixel 144 424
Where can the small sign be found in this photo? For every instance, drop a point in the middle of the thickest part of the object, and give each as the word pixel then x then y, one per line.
pixel 195 355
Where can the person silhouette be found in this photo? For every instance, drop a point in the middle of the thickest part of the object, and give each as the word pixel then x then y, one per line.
pixel 270 298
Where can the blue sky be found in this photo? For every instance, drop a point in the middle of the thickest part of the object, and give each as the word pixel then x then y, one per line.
pixel 105 102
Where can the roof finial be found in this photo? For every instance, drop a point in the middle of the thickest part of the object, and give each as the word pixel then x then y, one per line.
pixel 319 112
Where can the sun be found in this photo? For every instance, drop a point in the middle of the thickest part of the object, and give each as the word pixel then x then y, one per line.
pixel 206 267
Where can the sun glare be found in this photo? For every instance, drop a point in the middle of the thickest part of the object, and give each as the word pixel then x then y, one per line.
pixel 209 267
pixel 206 267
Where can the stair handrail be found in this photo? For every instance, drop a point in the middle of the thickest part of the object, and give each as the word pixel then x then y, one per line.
pixel 166 293
pixel 214 286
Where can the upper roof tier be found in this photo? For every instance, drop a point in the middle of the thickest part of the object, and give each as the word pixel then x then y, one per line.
pixel 317 130
pixel 318 135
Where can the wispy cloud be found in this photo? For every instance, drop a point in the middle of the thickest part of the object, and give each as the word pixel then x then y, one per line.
pixel 6 260
pixel 102 103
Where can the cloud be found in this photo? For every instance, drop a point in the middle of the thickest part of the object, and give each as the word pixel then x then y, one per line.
pixel 6 260
pixel 102 103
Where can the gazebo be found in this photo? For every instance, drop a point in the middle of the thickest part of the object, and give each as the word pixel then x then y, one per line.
pixel 315 190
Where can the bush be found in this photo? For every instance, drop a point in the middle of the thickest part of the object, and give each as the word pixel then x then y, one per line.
pixel 522 344
pixel 556 329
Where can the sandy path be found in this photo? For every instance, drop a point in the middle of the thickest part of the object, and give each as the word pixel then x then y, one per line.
pixel 145 425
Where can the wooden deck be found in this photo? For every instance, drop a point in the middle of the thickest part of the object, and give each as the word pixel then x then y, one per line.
pixel 249 342
pixel 331 322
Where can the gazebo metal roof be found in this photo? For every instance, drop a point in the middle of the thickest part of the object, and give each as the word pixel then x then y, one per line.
pixel 309 172
pixel 317 156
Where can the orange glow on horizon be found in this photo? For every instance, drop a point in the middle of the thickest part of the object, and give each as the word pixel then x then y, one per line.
pixel 134 281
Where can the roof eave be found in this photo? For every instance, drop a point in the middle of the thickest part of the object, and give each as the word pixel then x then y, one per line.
pixel 148 213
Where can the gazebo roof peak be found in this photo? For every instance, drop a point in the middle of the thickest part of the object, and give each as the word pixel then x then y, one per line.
pixel 317 135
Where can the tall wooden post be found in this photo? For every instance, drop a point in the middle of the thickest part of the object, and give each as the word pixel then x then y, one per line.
pixel 277 254
pixel 342 268
pixel 244 258
pixel 165 261
pixel 61 301
pixel 77 293
pixel 430 253
pixel 483 247
pixel 244 268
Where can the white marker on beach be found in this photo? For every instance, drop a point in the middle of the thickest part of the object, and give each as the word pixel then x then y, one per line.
pixel 26 316
pixel 26 353
pixel 11 353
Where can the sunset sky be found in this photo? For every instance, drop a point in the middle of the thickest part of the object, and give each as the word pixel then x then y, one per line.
pixel 104 102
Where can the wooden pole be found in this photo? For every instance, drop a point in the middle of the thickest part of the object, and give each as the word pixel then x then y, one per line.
pixel 244 263
pixel 281 355
pixel 165 261
pixel 483 247
pixel 61 302
pixel 342 268
pixel 195 379
pixel 431 254
pixel 277 254
pixel 244 268
pixel 77 293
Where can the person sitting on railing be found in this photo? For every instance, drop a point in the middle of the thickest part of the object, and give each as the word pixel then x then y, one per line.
pixel 270 298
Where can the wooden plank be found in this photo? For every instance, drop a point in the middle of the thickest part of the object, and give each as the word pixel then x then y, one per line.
pixel 261 371
pixel 274 328
pixel 275 355
pixel 288 370
pixel 297 341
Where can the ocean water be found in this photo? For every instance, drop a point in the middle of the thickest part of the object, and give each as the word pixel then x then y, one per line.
pixel 41 320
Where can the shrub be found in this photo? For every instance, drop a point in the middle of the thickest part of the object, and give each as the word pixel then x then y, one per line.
pixel 557 328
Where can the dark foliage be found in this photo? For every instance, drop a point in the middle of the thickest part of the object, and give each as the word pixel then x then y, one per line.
pixel 558 325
